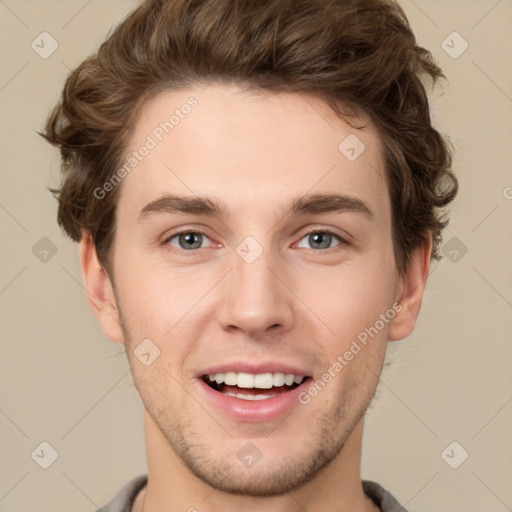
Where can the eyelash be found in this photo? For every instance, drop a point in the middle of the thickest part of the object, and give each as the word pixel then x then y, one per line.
pixel 191 252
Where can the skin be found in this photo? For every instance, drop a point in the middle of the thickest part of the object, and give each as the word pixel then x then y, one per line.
pixel 296 303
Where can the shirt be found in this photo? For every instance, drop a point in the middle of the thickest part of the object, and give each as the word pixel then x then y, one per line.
pixel 123 500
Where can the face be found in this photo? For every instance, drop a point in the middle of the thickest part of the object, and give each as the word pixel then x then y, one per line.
pixel 250 285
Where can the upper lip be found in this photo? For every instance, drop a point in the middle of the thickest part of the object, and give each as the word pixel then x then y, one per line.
pixel 256 369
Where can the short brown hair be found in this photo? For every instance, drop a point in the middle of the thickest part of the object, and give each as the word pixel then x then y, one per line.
pixel 360 56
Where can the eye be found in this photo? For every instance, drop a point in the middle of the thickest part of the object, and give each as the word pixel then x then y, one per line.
pixel 322 239
pixel 187 240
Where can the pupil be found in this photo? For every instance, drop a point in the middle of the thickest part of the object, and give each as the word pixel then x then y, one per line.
pixel 315 237
pixel 188 238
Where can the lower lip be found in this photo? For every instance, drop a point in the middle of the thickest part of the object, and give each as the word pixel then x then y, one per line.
pixel 253 410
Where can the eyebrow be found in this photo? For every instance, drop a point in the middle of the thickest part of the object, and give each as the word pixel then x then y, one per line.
pixel 302 205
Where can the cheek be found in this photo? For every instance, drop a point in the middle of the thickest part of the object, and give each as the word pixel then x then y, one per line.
pixel 162 305
pixel 153 297
pixel 356 298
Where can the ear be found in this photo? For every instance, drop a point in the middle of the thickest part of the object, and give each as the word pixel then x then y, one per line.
pixel 100 293
pixel 410 292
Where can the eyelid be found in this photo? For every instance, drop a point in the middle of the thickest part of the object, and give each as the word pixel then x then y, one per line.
pixel 167 239
pixel 182 230
pixel 343 240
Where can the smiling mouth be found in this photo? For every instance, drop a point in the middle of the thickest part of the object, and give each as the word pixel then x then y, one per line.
pixel 248 386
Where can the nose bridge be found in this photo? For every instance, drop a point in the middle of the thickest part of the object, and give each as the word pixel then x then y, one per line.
pixel 255 297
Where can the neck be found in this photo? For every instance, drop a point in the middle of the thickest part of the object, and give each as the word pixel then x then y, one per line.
pixel 171 485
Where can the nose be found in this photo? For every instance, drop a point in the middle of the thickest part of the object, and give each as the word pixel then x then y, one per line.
pixel 256 298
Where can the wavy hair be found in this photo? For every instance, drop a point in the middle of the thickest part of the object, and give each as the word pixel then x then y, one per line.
pixel 359 56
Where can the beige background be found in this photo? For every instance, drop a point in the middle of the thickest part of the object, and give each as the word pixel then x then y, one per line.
pixel 62 382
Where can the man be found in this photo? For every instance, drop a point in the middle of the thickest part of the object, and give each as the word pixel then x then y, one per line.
pixel 256 190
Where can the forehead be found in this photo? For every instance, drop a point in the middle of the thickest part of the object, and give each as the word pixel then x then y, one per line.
pixel 248 149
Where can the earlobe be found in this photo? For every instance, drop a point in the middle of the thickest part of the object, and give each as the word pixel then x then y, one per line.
pixel 412 285
pixel 100 293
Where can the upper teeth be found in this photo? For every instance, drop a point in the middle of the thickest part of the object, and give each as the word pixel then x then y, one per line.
pixel 261 380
